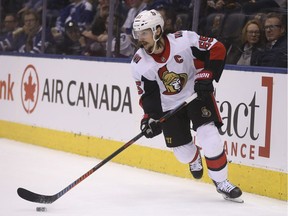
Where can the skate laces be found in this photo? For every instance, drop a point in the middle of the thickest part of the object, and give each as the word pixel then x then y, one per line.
pixel 197 164
pixel 225 186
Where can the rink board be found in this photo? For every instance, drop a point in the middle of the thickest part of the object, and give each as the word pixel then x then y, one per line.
pixel 91 108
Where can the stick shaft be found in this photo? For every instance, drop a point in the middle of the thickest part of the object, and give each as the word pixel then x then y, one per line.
pixel 39 198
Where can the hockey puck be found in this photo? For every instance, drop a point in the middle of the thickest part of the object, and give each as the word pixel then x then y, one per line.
pixel 41 209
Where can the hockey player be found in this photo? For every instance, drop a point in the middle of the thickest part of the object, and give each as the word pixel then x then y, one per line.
pixel 168 69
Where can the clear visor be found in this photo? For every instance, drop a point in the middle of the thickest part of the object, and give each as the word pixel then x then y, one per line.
pixel 141 34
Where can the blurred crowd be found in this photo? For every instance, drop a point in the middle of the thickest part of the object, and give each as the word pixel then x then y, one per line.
pixel 253 31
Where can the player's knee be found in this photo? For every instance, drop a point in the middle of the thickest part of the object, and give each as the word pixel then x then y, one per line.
pixel 209 139
pixel 185 153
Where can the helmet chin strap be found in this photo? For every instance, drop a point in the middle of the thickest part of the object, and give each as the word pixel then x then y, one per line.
pixel 155 43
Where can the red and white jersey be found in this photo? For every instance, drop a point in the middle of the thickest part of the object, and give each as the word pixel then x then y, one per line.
pixel 174 70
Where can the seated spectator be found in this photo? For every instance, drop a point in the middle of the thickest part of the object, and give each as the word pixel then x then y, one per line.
pixel 100 6
pixel 96 36
pixel 251 41
pixel 79 11
pixel 96 39
pixel 98 24
pixel 275 52
pixel 72 42
pixel 28 39
pixel 10 25
pixel 96 42
pixel 216 27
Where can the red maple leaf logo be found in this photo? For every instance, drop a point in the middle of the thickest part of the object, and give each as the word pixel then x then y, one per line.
pixel 29 89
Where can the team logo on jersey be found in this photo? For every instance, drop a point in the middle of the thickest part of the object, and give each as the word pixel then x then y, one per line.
pixel 178 34
pixel 206 113
pixel 137 58
pixel 172 81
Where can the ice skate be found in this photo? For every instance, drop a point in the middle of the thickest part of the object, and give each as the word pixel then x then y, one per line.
pixel 196 167
pixel 229 191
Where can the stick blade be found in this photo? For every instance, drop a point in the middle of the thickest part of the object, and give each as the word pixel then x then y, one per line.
pixel 34 197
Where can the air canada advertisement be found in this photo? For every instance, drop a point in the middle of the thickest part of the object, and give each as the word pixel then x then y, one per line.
pixel 100 99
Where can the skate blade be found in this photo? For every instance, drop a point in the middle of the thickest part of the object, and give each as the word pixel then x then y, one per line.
pixel 237 200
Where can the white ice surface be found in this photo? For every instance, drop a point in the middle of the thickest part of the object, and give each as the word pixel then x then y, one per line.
pixel 113 190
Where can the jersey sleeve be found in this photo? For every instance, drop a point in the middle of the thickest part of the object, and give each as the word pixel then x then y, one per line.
pixel 147 87
pixel 209 51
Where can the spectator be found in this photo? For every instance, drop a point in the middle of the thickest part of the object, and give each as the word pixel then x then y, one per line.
pixel 97 36
pixel 97 43
pixel 79 11
pixel 95 40
pixel 10 25
pixel 275 52
pixel 99 7
pixel 72 43
pixel 28 38
pixel 216 27
pixel 251 42
pixel 98 24
pixel 136 7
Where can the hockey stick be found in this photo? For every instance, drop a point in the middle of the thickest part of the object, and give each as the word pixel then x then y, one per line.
pixel 47 199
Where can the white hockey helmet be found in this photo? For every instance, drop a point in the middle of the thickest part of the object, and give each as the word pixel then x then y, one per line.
pixel 147 19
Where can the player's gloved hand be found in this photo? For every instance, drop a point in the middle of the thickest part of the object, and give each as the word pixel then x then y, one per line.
pixel 204 84
pixel 150 127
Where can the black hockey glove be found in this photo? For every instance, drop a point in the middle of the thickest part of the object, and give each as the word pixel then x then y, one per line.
pixel 204 84
pixel 150 127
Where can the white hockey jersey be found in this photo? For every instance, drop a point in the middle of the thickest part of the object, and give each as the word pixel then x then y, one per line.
pixel 174 70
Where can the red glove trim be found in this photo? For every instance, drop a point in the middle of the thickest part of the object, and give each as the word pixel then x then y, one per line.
pixel 145 116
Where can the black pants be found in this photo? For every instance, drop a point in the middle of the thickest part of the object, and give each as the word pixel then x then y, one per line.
pixel 176 129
